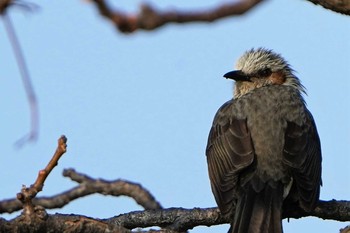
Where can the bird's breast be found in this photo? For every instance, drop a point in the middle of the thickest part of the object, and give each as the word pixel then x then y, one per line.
pixel 267 111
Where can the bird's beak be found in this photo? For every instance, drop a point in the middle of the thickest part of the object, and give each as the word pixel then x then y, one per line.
pixel 237 75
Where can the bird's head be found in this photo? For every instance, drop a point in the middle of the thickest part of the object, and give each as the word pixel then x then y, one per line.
pixel 262 67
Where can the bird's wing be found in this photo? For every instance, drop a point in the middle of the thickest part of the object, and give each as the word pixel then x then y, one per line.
pixel 229 150
pixel 302 153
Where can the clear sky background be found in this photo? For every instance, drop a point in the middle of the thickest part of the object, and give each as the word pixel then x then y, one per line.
pixel 140 106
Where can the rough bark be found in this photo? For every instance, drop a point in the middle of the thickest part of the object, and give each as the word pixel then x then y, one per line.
pixel 170 220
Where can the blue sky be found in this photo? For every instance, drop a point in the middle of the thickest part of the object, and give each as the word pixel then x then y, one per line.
pixel 140 106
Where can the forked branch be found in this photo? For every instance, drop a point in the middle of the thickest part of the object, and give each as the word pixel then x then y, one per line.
pixel 28 194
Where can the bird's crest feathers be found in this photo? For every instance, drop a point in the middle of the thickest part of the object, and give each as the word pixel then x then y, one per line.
pixel 255 61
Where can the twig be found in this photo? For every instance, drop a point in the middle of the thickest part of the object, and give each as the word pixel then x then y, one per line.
pixel 27 194
pixel 34 111
pixel 149 18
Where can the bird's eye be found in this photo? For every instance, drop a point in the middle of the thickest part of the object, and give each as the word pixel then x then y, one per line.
pixel 265 72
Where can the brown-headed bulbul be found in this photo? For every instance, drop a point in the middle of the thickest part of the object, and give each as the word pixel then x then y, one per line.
pixel 263 149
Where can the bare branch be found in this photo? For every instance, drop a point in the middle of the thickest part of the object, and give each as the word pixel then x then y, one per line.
pixel 27 194
pixel 61 149
pixel 180 219
pixel 33 104
pixel 171 220
pixel 332 210
pixel 115 188
pixel 87 187
pixel 60 223
pixel 149 18
pixel 177 219
pixel 340 6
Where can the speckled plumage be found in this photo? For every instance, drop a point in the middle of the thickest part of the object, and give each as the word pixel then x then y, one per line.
pixel 263 148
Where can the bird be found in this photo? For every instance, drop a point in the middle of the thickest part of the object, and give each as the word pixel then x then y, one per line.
pixel 263 150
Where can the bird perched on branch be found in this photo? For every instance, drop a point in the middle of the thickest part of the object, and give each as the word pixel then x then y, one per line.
pixel 263 148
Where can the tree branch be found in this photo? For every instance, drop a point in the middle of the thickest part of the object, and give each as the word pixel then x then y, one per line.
pixel 88 186
pixel 171 220
pixel 149 18
pixel 174 219
pixel 340 6
pixel 27 194
pixel 26 80
pixel 180 219
pixel 114 188
pixel 60 223
pixel 332 210
pixel 177 219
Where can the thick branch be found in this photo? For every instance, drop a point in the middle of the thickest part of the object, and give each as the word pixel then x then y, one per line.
pixel 180 219
pixel 149 18
pixel 335 210
pixel 61 223
pixel 177 219
pixel 332 210
pixel 340 6
pixel 173 219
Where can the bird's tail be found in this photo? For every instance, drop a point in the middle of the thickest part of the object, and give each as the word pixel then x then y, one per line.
pixel 259 211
